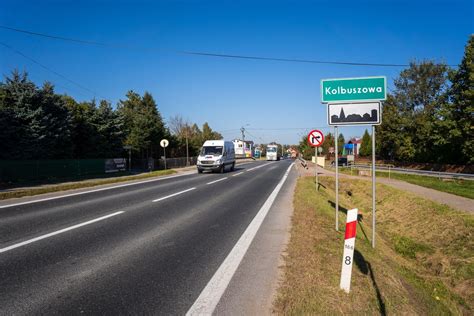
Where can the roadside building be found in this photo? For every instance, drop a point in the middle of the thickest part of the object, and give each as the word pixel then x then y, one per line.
pixel 243 150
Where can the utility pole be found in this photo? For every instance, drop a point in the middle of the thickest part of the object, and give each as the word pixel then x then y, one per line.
pixel 242 129
pixel 187 148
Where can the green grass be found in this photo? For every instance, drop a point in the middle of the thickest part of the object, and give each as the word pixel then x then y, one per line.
pixel 423 263
pixel 407 247
pixel 464 188
pixel 16 193
pixel 459 187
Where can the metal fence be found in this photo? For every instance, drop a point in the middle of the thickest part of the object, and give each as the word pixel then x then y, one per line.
pixel 159 164
pixel 14 171
pixel 35 170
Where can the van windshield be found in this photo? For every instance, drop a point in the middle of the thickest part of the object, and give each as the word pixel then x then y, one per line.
pixel 212 150
pixel 271 149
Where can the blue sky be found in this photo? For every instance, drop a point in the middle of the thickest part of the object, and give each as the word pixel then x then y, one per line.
pixel 230 93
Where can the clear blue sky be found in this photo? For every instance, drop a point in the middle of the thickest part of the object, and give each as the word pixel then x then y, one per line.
pixel 230 93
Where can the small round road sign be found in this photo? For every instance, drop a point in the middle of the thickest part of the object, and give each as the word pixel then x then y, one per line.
pixel 164 143
pixel 315 138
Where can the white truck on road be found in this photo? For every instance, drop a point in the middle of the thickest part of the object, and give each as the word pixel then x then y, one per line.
pixel 216 155
pixel 272 152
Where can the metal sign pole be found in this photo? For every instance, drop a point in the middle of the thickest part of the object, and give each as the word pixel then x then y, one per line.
pixel 337 177
pixel 373 186
pixel 316 166
pixel 164 150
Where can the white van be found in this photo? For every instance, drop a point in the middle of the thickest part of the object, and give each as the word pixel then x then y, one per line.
pixel 216 155
pixel 272 152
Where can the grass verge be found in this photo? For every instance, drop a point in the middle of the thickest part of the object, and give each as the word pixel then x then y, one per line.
pixel 79 185
pixel 458 187
pixel 423 262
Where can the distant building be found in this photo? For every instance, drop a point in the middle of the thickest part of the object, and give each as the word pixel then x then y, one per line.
pixel 352 147
pixel 243 150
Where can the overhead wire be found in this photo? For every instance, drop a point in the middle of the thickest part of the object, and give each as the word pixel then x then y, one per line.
pixel 208 54
pixel 16 51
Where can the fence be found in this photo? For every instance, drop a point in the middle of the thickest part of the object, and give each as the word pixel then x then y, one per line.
pixel 35 170
pixel 159 164
pixel 13 171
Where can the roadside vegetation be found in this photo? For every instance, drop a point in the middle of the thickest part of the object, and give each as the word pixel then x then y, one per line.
pixel 458 187
pixel 21 192
pixel 423 262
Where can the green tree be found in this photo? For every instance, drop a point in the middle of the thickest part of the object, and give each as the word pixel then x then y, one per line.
pixel 408 125
pixel 109 128
pixel 340 143
pixel 366 146
pixel 143 125
pixel 455 117
pixel 37 122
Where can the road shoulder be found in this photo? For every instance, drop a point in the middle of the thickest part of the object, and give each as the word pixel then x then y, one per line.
pixel 252 289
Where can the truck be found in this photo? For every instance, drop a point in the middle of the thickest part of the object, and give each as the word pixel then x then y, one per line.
pixel 216 155
pixel 272 152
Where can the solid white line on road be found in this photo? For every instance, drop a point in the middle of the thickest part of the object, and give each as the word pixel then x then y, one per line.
pixel 235 175
pixel 26 242
pixel 91 191
pixel 259 166
pixel 212 293
pixel 174 194
pixel 216 181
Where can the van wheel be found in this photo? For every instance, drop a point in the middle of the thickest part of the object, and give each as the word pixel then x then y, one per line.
pixel 199 171
pixel 233 167
pixel 222 169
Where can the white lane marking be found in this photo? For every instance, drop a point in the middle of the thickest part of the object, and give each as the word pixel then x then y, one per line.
pixel 26 242
pixel 212 293
pixel 259 166
pixel 174 194
pixel 91 191
pixel 216 181
pixel 235 175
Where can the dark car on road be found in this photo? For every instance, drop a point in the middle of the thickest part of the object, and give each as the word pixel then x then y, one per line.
pixel 341 161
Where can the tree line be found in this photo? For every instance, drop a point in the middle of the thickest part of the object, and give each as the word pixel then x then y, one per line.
pixel 428 117
pixel 37 123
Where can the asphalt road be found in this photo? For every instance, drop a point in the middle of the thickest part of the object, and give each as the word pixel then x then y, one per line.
pixel 148 248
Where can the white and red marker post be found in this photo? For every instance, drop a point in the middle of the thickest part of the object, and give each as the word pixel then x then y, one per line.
pixel 349 245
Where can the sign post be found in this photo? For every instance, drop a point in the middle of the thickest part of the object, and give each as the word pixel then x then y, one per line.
pixel 336 136
pixel 355 101
pixel 315 139
pixel 164 143
pixel 349 244
pixel 129 148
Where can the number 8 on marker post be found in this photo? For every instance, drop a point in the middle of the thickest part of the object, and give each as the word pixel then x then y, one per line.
pixel 349 244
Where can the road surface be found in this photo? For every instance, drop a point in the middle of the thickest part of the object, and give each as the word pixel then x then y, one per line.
pixel 148 248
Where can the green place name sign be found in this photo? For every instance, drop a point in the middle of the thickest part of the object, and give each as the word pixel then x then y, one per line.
pixel 353 89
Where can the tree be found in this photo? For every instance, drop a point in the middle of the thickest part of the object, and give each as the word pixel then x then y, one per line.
pixel 456 116
pixel 109 128
pixel 37 122
pixel 366 146
pixel 143 125
pixel 340 143
pixel 328 142
pixel 408 125
pixel 305 149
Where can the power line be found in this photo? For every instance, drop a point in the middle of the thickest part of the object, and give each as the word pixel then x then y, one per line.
pixel 211 54
pixel 52 71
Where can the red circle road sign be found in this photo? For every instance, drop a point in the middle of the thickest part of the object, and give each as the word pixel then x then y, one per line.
pixel 315 138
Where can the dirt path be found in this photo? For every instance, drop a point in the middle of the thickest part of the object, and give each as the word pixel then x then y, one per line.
pixel 454 201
